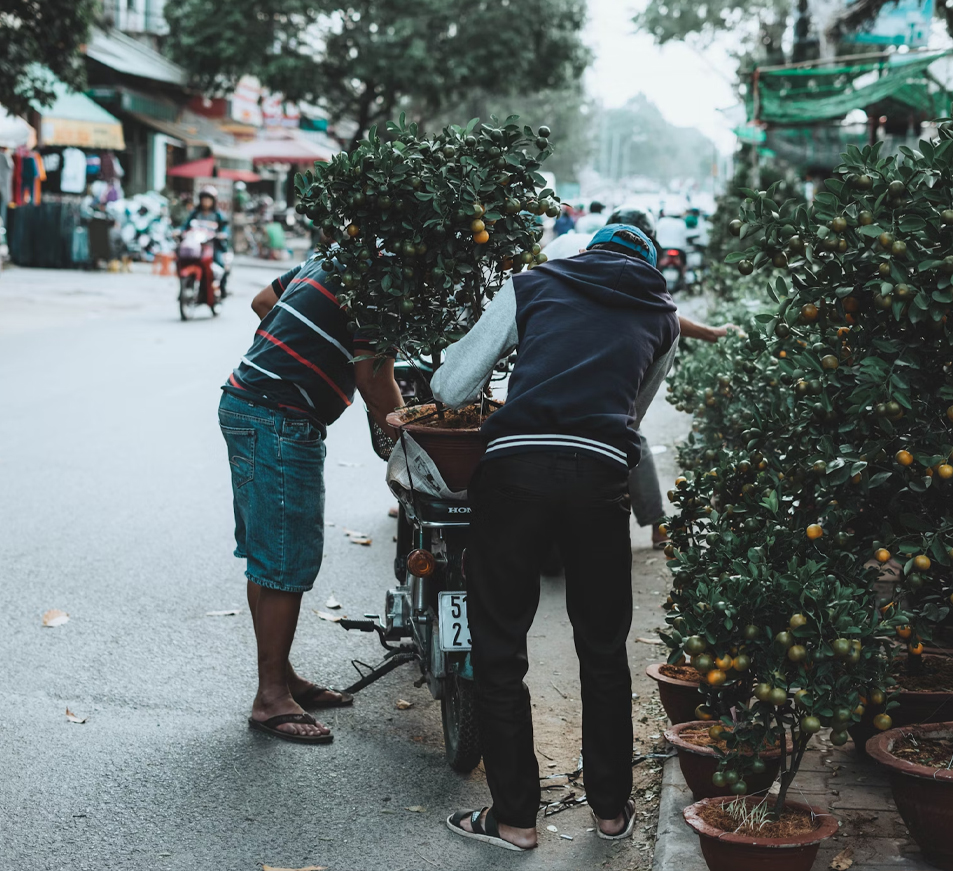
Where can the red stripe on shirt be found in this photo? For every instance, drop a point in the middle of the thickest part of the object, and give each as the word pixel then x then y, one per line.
pixel 305 362
pixel 234 382
pixel 323 290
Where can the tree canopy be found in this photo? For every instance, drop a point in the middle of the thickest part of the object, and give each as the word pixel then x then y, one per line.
pixel 367 60
pixel 41 32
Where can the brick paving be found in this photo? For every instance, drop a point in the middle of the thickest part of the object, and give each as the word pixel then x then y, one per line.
pixel 855 790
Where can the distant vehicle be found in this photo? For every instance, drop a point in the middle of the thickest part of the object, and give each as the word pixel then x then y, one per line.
pixel 200 277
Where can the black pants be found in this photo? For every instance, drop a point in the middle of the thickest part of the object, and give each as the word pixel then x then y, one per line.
pixel 522 505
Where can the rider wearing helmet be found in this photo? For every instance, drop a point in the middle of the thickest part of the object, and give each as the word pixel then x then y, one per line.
pixel 207 211
pixel 635 217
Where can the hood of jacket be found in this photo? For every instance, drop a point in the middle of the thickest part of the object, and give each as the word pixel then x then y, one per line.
pixel 609 278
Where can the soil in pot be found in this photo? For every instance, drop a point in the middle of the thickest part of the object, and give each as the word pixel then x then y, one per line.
pixel 679 696
pixel 469 417
pixel 923 792
pixel 789 844
pixel 698 760
pixel 452 442
pixel 924 698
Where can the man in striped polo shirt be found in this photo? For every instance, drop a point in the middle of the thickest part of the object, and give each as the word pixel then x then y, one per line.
pixel 295 380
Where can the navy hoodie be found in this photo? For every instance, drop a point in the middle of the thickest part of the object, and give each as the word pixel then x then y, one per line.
pixel 596 335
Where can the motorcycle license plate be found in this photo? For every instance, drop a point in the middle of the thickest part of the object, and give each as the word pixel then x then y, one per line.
pixel 452 619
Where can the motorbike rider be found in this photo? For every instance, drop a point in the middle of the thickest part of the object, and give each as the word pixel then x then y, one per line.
pixel 207 211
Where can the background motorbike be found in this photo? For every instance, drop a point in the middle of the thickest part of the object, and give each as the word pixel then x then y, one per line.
pixel 199 275
pixel 672 263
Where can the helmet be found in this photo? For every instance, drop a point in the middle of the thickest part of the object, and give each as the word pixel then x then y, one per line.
pixel 628 236
pixel 208 191
pixel 634 216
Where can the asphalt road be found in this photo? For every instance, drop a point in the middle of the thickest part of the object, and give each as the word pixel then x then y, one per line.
pixel 115 508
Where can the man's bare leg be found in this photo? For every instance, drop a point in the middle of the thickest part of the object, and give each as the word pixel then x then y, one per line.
pixel 275 617
pixel 297 684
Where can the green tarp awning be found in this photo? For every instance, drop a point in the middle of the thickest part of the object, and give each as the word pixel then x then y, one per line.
pixel 809 95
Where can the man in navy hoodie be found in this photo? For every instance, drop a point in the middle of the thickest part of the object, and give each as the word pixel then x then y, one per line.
pixel 596 335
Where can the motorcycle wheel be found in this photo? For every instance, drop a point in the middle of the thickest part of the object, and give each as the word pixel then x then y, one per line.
pixel 188 296
pixel 461 734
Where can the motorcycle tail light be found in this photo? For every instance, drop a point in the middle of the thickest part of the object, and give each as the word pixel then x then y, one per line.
pixel 421 563
pixel 672 253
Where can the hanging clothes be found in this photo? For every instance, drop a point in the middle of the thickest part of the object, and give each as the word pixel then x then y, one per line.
pixel 6 184
pixel 73 173
pixel 29 176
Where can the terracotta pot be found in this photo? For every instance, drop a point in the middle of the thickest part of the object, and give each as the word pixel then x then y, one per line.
pixel 924 796
pixel 455 452
pixel 916 706
pixel 698 764
pixel 678 697
pixel 727 851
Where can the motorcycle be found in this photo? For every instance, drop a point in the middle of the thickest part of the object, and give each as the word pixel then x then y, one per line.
pixel 425 619
pixel 199 275
pixel 672 263
pixel 425 615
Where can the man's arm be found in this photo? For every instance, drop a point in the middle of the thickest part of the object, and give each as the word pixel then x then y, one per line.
pixel 692 330
pixel 652 381
pixel 469 362
pixel 379 391
pixel 264 302
pixel 267 299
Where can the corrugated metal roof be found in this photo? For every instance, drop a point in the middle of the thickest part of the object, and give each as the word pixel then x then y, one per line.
pixel 126 55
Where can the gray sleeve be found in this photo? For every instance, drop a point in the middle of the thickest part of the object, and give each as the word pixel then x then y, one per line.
pixel 653 379
pixel 469 363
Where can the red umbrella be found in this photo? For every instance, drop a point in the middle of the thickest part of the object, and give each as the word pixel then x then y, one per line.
pixel 205 168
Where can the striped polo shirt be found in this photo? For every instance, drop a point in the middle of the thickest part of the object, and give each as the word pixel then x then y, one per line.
pixel 302 358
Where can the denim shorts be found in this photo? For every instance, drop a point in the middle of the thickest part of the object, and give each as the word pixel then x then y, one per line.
pixel 277 464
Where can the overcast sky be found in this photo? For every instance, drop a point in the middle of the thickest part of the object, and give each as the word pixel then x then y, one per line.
pixel 688 86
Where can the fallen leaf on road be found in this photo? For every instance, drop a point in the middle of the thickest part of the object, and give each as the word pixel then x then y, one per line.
pixel 74 719
pixel 403 704
pixel 308 868
pixel 552 828
pixel 55 617
pixel 367 542
pixel 352 532
pixel 231 613
pixel 332 603
pixel 843 860
pixel 333 618
pixel 416 809
pixel 649 640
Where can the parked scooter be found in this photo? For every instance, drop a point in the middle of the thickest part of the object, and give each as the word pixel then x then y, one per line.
pixel 200 276
pixel 425 619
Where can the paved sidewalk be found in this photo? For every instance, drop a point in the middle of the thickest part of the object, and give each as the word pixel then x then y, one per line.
pixel 855 790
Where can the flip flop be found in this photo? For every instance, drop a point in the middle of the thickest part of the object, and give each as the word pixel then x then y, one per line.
pixel 270 727
pixel 628 813
pixel 488 831
pixel 310 702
